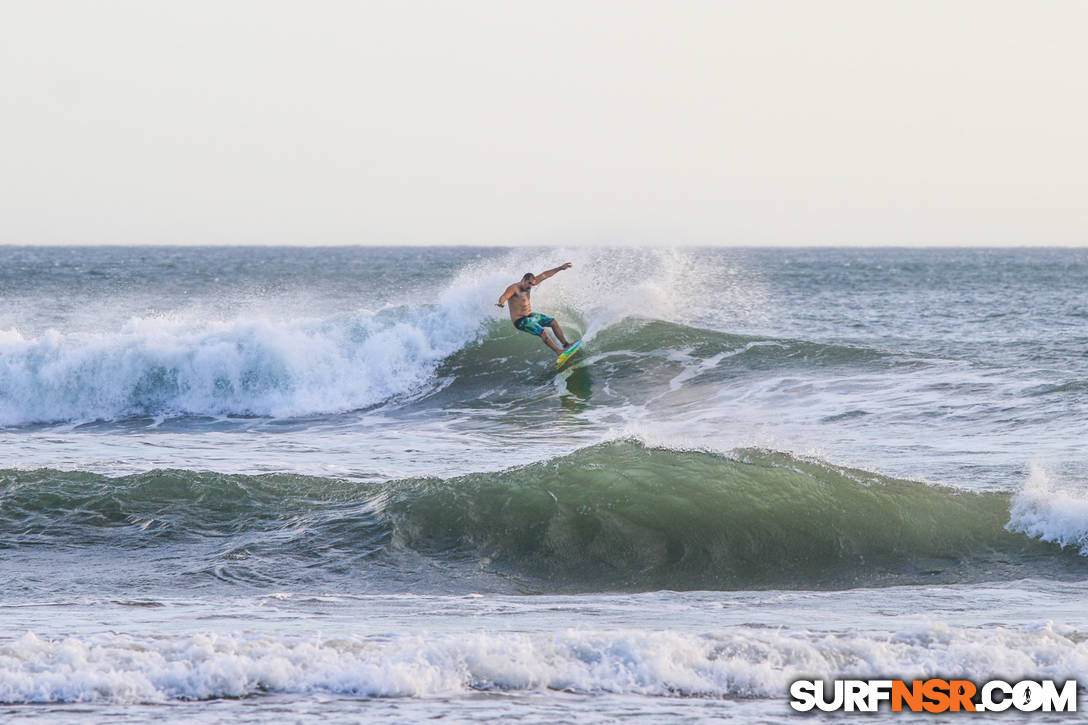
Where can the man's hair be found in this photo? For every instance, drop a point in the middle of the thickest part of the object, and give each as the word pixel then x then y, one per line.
pixel 528 276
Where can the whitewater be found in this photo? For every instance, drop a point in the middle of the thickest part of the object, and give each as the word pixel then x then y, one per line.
pixel 337 484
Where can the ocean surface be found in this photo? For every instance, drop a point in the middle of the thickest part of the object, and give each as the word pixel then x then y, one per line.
pixel 336 485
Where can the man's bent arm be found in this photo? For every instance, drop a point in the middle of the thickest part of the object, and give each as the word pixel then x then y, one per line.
pixel 505 296
pixel 544 275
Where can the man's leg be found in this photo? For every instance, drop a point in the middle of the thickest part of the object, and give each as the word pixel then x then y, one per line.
pixel 548 341
pixel 559 332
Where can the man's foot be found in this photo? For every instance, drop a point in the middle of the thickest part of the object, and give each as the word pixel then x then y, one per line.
pixel 566 345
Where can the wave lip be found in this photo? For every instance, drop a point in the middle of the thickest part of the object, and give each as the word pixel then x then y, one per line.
pixel 1047 512
pixel 740 662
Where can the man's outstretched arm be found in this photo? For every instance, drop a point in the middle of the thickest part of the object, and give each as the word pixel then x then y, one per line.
pixel 510 291
pixel 544 275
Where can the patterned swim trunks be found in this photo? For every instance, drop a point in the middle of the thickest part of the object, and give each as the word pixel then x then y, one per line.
pixel 533 323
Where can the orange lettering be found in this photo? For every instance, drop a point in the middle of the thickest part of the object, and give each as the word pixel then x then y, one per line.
pixel 911 695
pixel 936 691
pixel 961 692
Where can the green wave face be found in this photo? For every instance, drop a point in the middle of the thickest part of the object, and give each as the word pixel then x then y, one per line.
pixel 630 362
pixel 616 516
pixel 635 342
pixel 624 516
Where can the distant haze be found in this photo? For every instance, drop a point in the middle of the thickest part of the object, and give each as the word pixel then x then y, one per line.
pixel 505 122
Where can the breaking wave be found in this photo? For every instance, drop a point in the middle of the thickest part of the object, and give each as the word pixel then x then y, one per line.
pixel 161 368
pixel 184 364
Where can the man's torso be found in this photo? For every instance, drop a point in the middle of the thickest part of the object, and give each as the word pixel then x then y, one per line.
pixel 519 305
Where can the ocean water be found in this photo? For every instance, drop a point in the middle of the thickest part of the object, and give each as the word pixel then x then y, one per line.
pixel 336 485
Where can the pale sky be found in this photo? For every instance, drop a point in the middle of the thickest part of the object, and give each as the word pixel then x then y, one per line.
pixel 506 122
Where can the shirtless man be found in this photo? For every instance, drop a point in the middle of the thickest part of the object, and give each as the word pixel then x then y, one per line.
pixel 522 315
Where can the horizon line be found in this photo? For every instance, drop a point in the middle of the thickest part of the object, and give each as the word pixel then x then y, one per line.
pixel 496 245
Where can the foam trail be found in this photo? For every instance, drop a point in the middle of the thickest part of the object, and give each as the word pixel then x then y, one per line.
pixel 741 662
pixel 1044 511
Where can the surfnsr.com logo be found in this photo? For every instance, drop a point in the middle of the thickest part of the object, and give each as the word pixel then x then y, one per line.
pixel 934 695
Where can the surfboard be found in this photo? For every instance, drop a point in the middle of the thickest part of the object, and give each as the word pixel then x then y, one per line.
pixel 566 355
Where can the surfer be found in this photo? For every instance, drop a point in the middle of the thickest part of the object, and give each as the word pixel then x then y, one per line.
pixel 521 312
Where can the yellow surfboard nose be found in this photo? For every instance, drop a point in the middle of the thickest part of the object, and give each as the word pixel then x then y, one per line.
pixel 566 354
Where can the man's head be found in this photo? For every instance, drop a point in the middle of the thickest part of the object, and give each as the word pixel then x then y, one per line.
pixel 527 281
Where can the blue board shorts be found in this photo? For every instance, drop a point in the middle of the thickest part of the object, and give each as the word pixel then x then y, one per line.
pixel 533 323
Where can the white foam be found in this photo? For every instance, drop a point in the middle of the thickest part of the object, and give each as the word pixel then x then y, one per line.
pixel 1051 511
pixel 742 662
